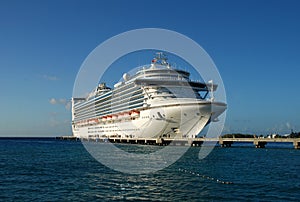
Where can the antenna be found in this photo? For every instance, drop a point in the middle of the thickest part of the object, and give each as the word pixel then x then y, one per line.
pixel 160 56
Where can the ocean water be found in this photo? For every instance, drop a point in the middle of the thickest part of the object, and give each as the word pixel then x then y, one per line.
pixel 46 169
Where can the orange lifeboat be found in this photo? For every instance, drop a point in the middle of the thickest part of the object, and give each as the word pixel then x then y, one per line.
pixel 114 117
pixel 126 115
pixel 135 113
pixel 93 121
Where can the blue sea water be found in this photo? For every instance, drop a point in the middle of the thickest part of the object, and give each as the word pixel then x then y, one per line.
pixel 46 169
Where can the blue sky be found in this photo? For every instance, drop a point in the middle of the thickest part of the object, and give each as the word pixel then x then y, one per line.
pixel 254 44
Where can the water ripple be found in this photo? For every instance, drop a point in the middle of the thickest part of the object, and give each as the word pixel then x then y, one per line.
pixel 53 170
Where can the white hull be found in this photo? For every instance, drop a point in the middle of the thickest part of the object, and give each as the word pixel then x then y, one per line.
pixel 181 119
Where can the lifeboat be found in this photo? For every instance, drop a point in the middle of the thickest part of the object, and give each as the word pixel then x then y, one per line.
pixel 93 121
pixel 135 113
pixel 109 118
pixel 103 118
pixel 126 115
pixel 114 117
pixel 120 115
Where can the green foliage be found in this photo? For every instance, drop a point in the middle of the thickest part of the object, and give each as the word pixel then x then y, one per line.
pixel 294 135
pixel 238 135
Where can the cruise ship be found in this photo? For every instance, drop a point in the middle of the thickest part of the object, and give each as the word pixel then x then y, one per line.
pixel 158 101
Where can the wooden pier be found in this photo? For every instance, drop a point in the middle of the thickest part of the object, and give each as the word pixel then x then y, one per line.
pixel 223 142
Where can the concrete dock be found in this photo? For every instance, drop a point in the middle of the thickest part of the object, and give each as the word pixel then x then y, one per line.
pixel 259 142
pixel 223 142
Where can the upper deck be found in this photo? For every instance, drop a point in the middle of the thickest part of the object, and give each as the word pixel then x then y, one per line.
pixel 158 73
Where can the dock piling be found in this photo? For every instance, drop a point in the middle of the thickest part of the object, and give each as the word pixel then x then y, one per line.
pixel 296 144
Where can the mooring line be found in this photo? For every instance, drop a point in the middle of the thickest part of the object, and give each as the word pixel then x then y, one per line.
pixel 205 176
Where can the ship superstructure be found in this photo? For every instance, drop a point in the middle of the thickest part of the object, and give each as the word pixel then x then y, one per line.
pixel 157 101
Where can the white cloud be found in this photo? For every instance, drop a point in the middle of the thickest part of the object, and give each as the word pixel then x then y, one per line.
pixel 50 78
pixel 68 106
pixel 61 101
pixel 281 128
pixel 53 101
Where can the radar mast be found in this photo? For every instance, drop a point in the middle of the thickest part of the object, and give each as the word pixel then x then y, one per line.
pixel 160 58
